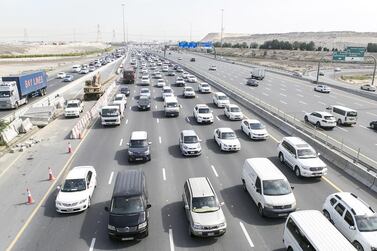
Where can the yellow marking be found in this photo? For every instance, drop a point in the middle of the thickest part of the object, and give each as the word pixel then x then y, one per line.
pixel 332 184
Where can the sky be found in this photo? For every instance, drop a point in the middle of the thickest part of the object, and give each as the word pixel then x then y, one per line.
pixel 163 20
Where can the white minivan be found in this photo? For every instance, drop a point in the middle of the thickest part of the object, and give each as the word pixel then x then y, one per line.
pixel 171 107
pixel 309 230
pixel 268 187
pixel 343 115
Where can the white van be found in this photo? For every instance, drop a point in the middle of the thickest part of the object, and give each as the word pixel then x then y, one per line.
pixel 268 187
pixel 171 106
pixel 343 115
pixel 76 68
pixel 310 230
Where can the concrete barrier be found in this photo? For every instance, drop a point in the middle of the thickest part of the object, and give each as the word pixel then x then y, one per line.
pixel 26 126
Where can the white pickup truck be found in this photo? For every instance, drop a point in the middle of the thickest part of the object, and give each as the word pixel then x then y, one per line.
pixel 73 108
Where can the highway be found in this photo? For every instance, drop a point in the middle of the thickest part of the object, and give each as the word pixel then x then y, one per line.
pixel 106 150
pixel 296 97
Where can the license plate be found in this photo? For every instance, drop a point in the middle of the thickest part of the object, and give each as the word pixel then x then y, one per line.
pixel 139 158
pixel 69 209
pixel 282 214
pixel 210 234
pixel 127 239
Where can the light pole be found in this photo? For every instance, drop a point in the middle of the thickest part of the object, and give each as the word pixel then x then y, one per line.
pixel 124 28
pixel 222 27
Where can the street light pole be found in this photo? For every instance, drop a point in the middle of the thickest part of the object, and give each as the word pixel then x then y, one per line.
pixel 124 26
pixel 375 65
pixel 222 27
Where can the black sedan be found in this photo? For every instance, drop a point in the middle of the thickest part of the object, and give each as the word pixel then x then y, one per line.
pixel 252 82
pixel 373 125
pixel 125 91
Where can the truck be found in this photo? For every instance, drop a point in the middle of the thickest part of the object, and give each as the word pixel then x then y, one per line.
pixel 128 76
pixel 16 90
pixel 93 88
pixel 111 114
pixel 257 73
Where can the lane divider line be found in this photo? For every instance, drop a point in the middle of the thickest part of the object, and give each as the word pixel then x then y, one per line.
pixel 246 235
pixel 171 240
pixel 159 139
pixel 332 184
pixel 217 118
pixel 92 244
pixel 163 174
pixel 214 170
pixel 126 121
pixel 111 177
pixel 158 121
pixel 121 142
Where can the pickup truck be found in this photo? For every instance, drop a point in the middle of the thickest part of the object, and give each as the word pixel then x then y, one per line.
pixel 73 108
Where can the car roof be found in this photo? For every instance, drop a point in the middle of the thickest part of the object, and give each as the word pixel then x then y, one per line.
pixel 136 135
pixel 171 99
pixel 265 169
pixel 359 206
pixel 144 88
pixel 200 187
pixel 74 101
pixel 296 141
pixel 232 105
pixel 202 106
pixel 79 172
pixel 129 183
pixel 225 129
pixel 343 108
pixel 219 94
pixel 324 113
pixel 119 95
pixel 188 133
pixel 252 121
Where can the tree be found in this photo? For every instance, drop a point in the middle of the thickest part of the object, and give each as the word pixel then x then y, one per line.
pixel 310 46
pixel 325 49
pixel 244 45
pixel 253 45
pixel 319 48
pixel 216 44
pixel 303 46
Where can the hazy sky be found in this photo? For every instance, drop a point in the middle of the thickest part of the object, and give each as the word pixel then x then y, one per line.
pixel 171 19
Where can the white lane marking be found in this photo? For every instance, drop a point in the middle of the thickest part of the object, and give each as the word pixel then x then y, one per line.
pixel 134 91
pixel 214 170
pixel 321 103
pixel 171 240
pixel 268 89
pixel 155 107
pixel 217 118
pixel 302 102
pixel 188 120
pixel 246 235
pixel 301 96
pixel 265 94
pixel 163 174
pixel 281 101
pixel 363 127
pixel 282 81
pixel 92 244
pixel 304 111
pixel 283 89
pixel 299 90
pixel 370 113
pixel 281 94
pixel 159 139
pixel 241 83
pixel 111 177
pixel 121 142
pixel 130 108
pixel 345 130
pixel 126 121
pixel 158 121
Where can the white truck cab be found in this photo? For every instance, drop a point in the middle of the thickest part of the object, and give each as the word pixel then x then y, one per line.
pixel 111 114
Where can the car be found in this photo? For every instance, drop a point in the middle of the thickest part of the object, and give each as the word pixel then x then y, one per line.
pixel 204 88
pixel 98 64
pixel 120 99
pixel 189 143
pixel 191 79
pixel 226 139
pixel 165 69
pixel 233 112
pixel 254 129
pixel 125 91
pixel 252 82
pixel 297 74
pixel 73 108
pixel 185 75
pixel 337 69
pixel 179 58
pixel 144 72
pixel 139 146
pixel 158 75
pixel 84 70
pixel 160 83
pixel 145 92
pixel 373 125
pixel 321 73
pixel 192 60
pixel 92 68
pixel 166 91
pixel 202 114
pixel 368 87
pixel 354 218
pixel 61 75
pixel 76 192
pixel 213 68
pixel 171 73
pixel 321 119
pixel 180 82
pixel 322 88
pixel 188 92
pixel 145 80
pixel 203 209
pixel 144 103
pixel 220 99
pixel 179 69
pixel 68 78
pixel 301 157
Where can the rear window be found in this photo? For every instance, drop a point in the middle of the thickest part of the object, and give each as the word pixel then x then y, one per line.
pixel 352 114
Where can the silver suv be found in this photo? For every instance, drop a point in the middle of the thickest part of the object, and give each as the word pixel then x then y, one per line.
pixel 203 209
pixel 189 143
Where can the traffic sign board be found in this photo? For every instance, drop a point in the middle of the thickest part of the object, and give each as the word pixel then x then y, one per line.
pixel 350 54
pixel 339 55
pixel 355 51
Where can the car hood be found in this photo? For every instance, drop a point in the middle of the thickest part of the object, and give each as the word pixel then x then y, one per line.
pixel 209 218
pixel 138 150
pixel 236 113
pixel 280 200
pixel 312 162
pixel 124 220
pixel 230 141
pixel 71 197
pixel 370 237
pixel 225 101
pixel 205 115
pixel 258 131
pixel 192 145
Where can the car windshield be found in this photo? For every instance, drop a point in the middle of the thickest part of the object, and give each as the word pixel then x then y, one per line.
pixel 74 185
pixel 276 187
pixel 204 204
pixel 205 85
pixel 72 105
pixel 144 91
pixel 172 104
pixel 228 135
pixel 168 90
pixel 189 90
pixel 306 153
pixel 141 143
pixel 329 117
pixel 109 112
pixel 124 90
pixel 222 97
pixel 352 114
pixel 4 94
pixel 256 126
pixel 204 110
pixel 366 223
pixel 235 109
pixel 144 77
pixel 127 205
pixel 118 98
pixel 190 139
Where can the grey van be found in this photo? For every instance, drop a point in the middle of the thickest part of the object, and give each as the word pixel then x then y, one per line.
pixel 139 146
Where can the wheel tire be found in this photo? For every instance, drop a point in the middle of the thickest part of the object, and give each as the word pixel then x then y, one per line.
pixel 260 210
pixel 306 119
pixel 244 186
pixel 129 160
pixel 281 158
pixel 318 124
pixel 250 135
pixel 89 202
pixel 289 249
pixel 327 215
pixel 339 122
pixel 190 232
pixel 16 105
pixel 297 171
pixel 358 246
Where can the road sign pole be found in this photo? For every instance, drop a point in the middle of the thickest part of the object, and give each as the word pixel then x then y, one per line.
pixel 374 71
pixel 319 65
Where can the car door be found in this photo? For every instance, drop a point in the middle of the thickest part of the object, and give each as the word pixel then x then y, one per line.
pixel 257 190
pixel 217 136
pixel 245 127
pixel 187 202
pixel 347 224
pixel 338 215
pixel 180 141
pixel 291 155
pixel 90 183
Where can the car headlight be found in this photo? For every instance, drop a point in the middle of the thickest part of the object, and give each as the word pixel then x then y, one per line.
pixel 373 248
pixel 222 224
pixel 294 204
pixel 130 153
pixel 58 203
pixel 185 147
pixel 147 152
pixel 110 227
pixel 305 167
pixel 197 226
pixel 142 225
pixel 268 205
pixel 82 201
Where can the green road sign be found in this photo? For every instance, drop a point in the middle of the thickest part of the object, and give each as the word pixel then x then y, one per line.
pixel 339 55
pixel 350 54
pixel 355 52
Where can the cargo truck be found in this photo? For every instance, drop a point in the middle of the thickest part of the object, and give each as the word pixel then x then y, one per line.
pixel 257 73
pixel 93 88
pixel 16 90
pixel 128 76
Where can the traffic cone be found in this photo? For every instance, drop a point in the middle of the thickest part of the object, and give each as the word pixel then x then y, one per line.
pixel 69 147
pixel 29 198
pixel 50 175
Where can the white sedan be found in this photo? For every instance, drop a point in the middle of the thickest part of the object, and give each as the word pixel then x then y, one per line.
pixel 233 112
pixel 61 75
pixel 212 68
pixel 322 88
pixel 204 88
pixel 161 83
pixel 188 92
pixel 77 190
pixel 226 139
pixel 321 119
pixel 254 129
pixel 145 92
pixel 191 79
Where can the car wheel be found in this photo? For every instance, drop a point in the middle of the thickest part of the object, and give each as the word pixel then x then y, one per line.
pixel 327 215
pixel 317 124
pixel 358 246
pixel 289 249
pixel 190 232
pixel 244 185
pixel 306 119
pixel 281 158
pixel 89 201
pixel 297 171
pixel 260 210
pixel 339 122
pixel 250 135
pixel 129 160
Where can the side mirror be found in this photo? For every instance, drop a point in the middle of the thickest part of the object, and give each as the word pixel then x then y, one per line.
pixel 100 113
pixel 222 203
pixel 107 209
pixel 149 206
pixel 58 188
pixel 328 108
pixel 318 154
pixel 128 144
pixel 258 190
pixel 149 143
pixel 292 187
pixel 187 207
pixel 199 140
pixel 352 227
